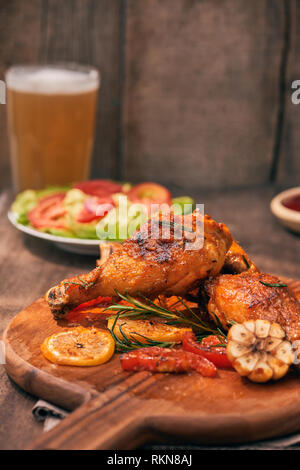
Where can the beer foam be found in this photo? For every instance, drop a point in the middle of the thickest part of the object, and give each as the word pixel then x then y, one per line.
pixel 52 80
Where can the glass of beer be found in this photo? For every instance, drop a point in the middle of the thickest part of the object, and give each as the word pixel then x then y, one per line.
pixel 51 120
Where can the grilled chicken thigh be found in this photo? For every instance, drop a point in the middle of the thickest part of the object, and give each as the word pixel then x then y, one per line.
pixel 151 265
pixel 252 296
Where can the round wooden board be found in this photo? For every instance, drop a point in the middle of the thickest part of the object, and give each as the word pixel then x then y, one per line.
pixel 121 410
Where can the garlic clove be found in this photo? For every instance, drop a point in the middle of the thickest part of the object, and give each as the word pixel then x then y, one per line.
pixel 284 352
pixel 276 331
pixel 235 350
pixel 241 334
pixel 262 328
pixel 250 325
pixel 262 372
pixel 279 367
pixel 271 343
pixel 245 364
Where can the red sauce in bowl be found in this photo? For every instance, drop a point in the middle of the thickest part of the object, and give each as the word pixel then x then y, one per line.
pixel 292 202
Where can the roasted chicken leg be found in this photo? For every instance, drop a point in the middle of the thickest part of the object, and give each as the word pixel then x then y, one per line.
pixel 252 296
pixel 150 265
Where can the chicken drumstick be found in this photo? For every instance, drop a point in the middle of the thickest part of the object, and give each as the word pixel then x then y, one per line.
pixel 150 265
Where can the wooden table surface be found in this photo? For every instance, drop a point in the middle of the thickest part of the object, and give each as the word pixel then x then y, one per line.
pixel 28 267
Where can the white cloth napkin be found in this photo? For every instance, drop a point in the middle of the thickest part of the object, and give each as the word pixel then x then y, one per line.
pixel 48 413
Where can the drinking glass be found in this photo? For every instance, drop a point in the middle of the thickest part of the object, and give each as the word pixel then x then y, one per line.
pixel 51 120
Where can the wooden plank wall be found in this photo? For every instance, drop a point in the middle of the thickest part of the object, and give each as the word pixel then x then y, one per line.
pixel 289 162
pixel 195 93
pixel 202 91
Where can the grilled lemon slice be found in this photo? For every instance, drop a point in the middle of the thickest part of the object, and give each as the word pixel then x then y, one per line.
pixel 152 329
pixel 79 347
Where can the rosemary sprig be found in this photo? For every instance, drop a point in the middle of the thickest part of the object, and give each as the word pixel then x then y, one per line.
pixel 232 322
pixel 82 283
pixel 246 262
pixel 276 284
pixel 139 309
pixel 73 283
pixel 129 343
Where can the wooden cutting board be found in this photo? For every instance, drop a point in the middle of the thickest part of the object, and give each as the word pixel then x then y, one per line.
pixel 121 410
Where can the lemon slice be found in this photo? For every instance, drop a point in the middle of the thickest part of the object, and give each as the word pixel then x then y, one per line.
pixel 152 329
pixel 79 347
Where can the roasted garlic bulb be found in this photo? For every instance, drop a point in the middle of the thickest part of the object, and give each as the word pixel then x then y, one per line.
pixel 258 349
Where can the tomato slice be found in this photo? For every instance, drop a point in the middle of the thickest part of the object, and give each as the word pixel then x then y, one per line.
pixel 85 216
pixel 95 208
pixel 149 193
pixel 99 205
pixel 156 359
pixel 49 212
pixel 100 188
pixel 207 348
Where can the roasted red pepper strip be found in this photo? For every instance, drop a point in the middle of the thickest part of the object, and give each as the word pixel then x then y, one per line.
pixel 207 348
pixel 156 359
pixel 98 302
pixel 101 301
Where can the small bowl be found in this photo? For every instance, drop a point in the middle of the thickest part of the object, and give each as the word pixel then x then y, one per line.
pixel 288 217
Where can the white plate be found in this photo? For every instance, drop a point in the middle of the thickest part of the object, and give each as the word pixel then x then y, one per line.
pixel 74 245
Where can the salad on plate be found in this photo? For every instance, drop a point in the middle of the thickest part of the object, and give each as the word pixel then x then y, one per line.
pixel 95 209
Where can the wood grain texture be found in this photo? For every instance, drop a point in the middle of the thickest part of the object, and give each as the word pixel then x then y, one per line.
pixel 201 91
pixel 128 408
pixel 83 31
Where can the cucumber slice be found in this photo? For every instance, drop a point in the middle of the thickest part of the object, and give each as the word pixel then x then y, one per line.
pixel 183 205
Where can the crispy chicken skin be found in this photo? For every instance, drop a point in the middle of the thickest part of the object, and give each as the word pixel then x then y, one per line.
pixel 150 265
pixel 237 261
pixel 244 297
